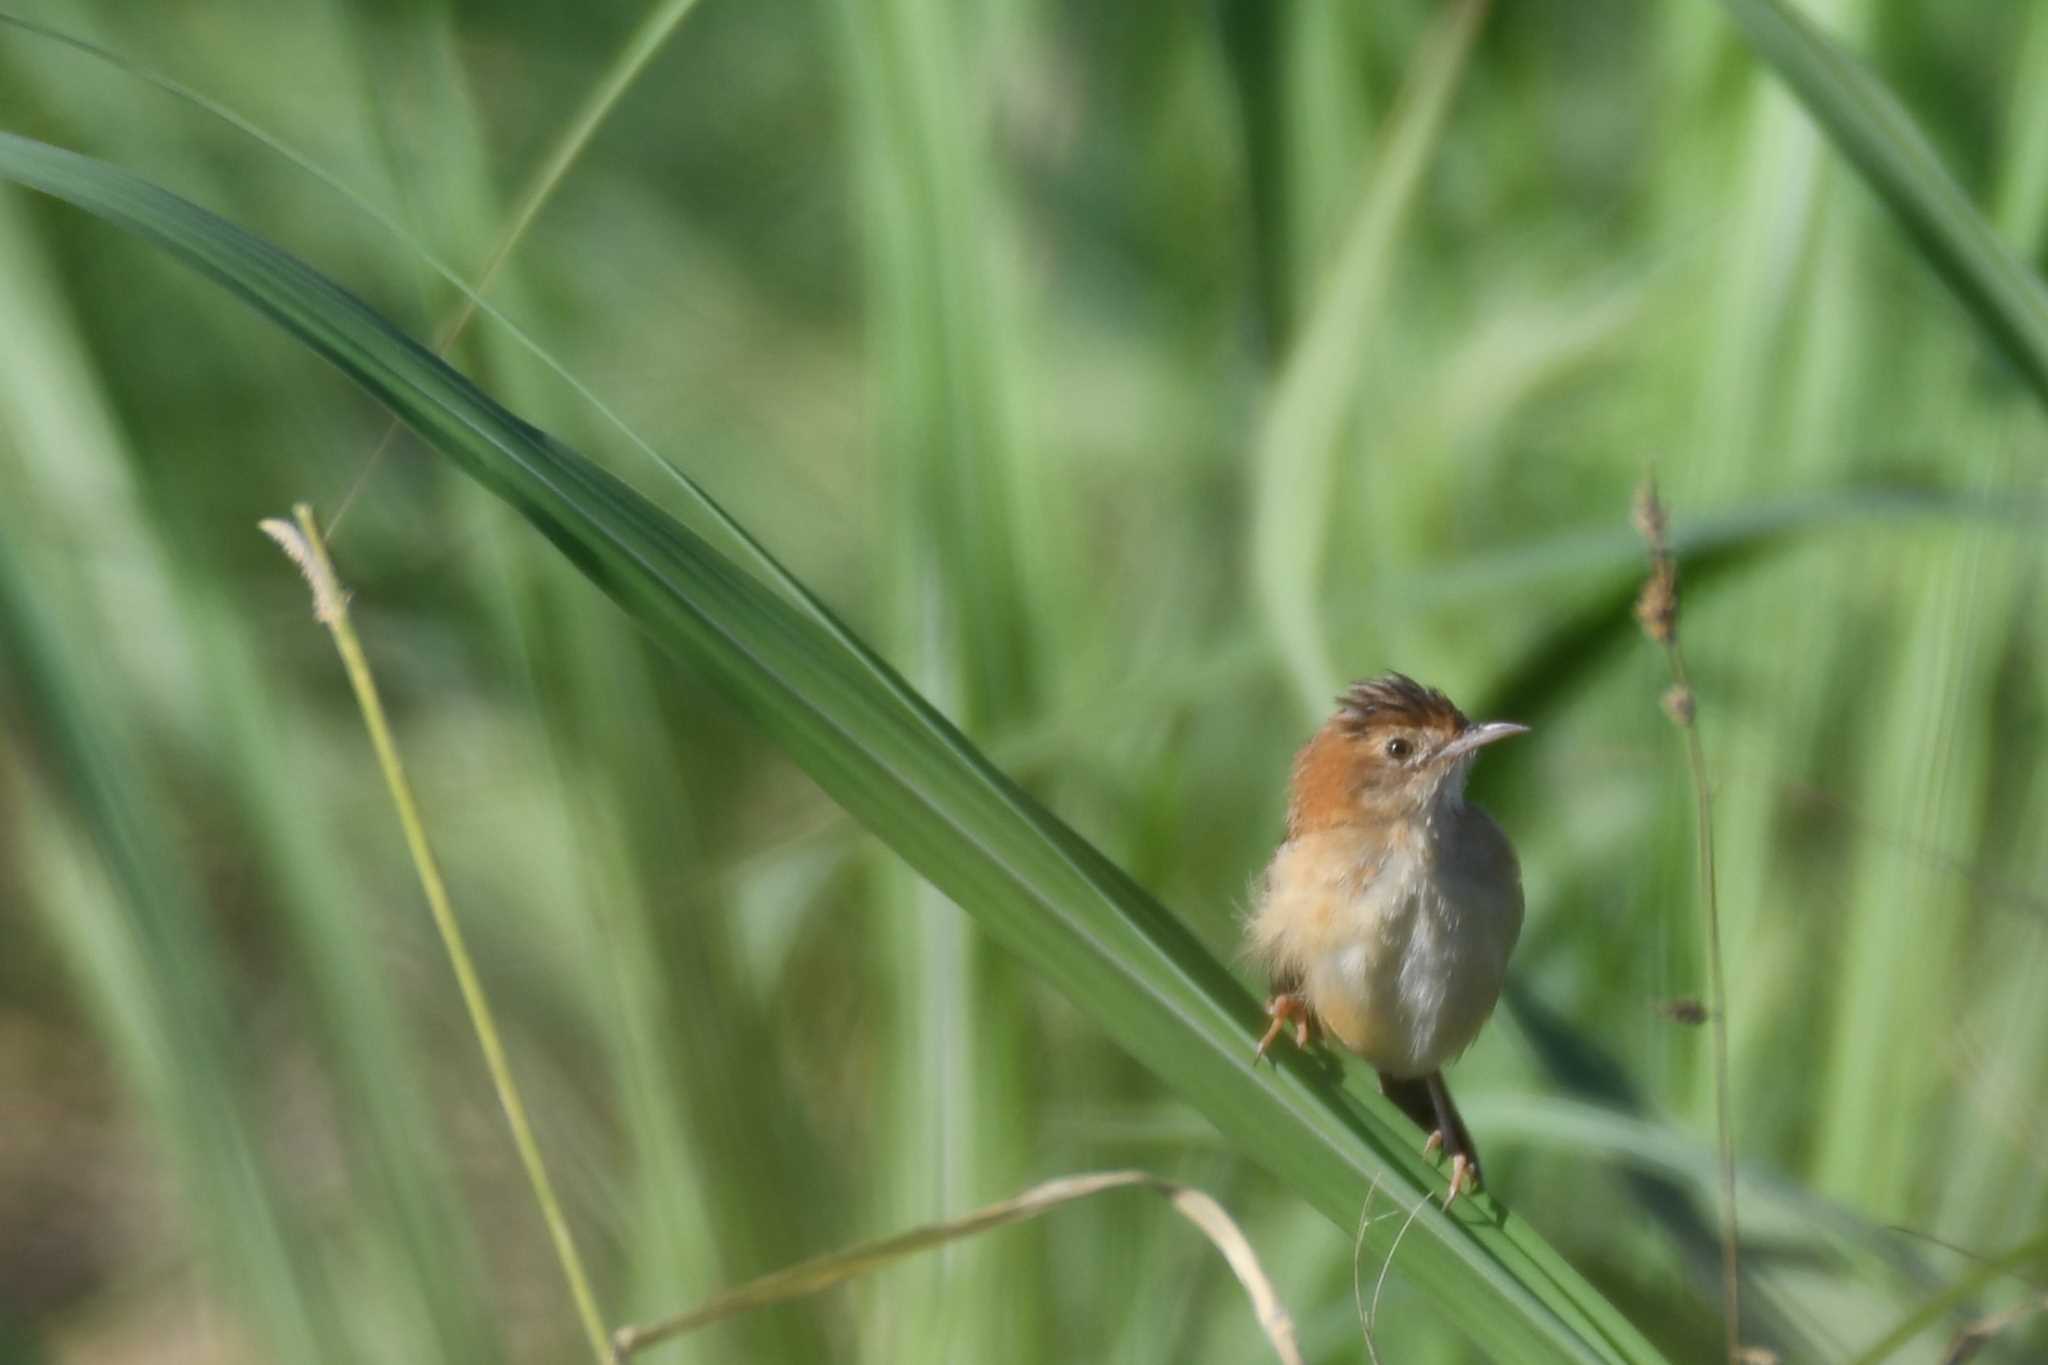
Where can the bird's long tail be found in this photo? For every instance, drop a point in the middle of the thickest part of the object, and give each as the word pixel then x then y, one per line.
pixel 1413 1098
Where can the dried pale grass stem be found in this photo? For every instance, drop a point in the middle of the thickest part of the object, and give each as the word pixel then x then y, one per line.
pixel 1369 1315
pixel 824 1272
pixel 1657 611
pixel 1975 1336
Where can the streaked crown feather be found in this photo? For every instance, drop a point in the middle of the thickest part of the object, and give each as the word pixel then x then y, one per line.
pixel 1397 699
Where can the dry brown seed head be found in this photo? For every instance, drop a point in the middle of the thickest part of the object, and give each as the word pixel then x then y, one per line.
pixel 1657 605
pixel 1647 512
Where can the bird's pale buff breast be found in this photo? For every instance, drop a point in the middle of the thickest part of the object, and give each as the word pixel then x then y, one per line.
pixel 1401 943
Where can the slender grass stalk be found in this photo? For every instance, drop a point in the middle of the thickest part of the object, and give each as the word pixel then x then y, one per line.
pixel 645 41
pixel 1657 609
pixel 330 607
pixel 824 1272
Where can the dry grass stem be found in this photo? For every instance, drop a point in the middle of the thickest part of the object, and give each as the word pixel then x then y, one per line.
pixel 824 1272
pixel 1369 1316
pixel 329 602
pixel 1973 1337
pixel 1657 611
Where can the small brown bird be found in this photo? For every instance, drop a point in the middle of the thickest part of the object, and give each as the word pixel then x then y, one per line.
pixel 1387 916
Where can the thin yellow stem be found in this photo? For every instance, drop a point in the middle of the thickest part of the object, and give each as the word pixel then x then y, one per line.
pixel 331 607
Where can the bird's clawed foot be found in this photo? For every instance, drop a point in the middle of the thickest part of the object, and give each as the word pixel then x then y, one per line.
pixel 1285 1008
pixel 1464 1176
pixel 1464 1168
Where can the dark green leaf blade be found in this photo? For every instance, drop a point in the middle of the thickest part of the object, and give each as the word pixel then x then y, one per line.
pixel 1873 130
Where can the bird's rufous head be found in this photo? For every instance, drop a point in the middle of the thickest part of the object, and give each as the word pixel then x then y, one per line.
pixel 1393 751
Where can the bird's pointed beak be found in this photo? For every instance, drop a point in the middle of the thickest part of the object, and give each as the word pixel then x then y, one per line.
pixel 1478 737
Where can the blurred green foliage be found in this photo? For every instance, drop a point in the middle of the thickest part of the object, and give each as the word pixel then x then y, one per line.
pixel 977 315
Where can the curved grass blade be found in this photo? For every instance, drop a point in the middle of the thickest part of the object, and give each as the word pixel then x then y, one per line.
pixel 1873 130
pixel 1037 887
pixel 836 1268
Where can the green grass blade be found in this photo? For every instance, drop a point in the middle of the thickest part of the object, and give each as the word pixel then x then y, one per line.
pixel 152 974
pixel 1316 391
pixel 961 624
pixel 1874 131
pixel 1037 887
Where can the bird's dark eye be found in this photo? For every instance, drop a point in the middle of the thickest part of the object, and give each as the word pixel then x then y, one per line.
pixel 1399 748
